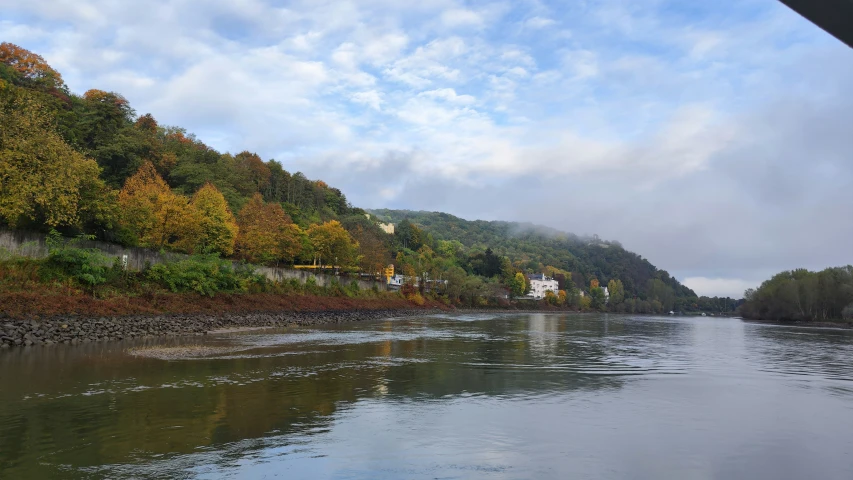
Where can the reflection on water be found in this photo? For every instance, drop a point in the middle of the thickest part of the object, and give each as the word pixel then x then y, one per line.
pixel 475 396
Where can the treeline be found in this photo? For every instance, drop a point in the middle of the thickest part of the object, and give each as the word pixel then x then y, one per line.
pixel 803 295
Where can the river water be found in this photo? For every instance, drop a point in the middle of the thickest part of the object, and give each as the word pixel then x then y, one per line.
pixel 478 396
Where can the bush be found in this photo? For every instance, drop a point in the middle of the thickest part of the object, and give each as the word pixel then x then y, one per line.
pixel 204 274
pixel 311 285
pixel 416 298
pixel 88 266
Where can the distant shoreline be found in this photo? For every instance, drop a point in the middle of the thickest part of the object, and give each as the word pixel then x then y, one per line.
pixel 839 325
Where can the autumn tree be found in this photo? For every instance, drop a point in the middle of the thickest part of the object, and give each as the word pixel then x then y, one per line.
pixel 30 66
pixel 155 216
pixel 372 251
pixel 593 283
pixel 41 177
pixel 617 291
pixel 266 233
pixel 217 227
pixel 518 285
pixel 256 170
pixel 332 243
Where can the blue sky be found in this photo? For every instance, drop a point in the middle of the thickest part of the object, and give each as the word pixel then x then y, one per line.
pixel 710 137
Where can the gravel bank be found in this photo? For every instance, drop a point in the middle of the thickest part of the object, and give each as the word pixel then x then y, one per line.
pixel 74 330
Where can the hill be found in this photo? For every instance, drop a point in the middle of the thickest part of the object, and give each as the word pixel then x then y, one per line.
pixel 534 248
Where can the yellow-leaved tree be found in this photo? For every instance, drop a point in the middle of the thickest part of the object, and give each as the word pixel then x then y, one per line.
pixel 41 177
pixel 156 216
pixel 267 234
pixel 332 244
pixel 217 227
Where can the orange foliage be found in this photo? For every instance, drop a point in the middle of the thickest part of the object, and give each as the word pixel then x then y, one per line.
pixel 147 124
pixel 29 64
pixel 593 283
pixel 155 215
pixel 100 96
pixel 266 233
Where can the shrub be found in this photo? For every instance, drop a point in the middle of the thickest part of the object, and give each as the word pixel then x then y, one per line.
pixel 88 266
pixel 204 274
pixel 417 299
pixel 311 285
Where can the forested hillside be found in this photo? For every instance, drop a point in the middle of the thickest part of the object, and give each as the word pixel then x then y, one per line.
pixel 535 248
pixel 88 164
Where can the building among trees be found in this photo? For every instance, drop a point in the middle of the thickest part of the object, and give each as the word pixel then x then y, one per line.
pixel 539 284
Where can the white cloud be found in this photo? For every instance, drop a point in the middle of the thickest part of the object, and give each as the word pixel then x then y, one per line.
pixel 449 95
pixel 459 17
pixel 539 22
pixel 371 98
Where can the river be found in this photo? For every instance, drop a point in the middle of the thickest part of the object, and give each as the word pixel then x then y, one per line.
pixel 506 396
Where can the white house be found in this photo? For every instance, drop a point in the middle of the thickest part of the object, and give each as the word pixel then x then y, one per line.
pixel 539 284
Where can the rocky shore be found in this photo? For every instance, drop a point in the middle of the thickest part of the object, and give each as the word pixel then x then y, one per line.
pixel 75 330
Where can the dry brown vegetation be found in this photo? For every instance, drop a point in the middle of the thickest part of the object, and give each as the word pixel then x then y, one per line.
pixel 47 303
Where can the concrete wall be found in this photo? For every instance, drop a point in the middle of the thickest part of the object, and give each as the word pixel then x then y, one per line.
pixel 32 244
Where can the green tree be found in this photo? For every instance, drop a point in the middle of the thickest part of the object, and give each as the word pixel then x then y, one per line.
pixel 597 298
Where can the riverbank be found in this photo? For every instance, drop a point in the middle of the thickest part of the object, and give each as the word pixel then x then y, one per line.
pixel 76 329
pixel 839 324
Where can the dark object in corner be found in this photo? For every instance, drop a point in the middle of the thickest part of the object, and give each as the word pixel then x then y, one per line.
pixel 834 16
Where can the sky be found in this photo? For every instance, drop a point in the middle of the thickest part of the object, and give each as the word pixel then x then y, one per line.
pixel 712 138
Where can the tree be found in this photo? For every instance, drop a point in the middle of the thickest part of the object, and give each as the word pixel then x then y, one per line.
pixel 266 233
pixel 217 227
pixel 617 292
pixel 155 216
pixel 657 289
pixel 550 297
pixel 29 65
pixel 455 283
pixel 333 244
pixel 372 252
pixel 593 283
pixel 596 298
pixel 518 285
pixel 408 235
pixel 41 177
pixel 255 169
